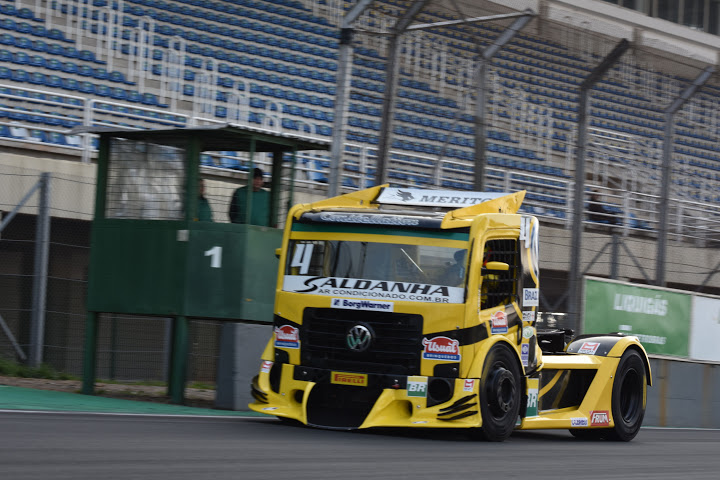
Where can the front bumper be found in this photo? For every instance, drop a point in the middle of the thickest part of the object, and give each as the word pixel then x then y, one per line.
pixel 349 400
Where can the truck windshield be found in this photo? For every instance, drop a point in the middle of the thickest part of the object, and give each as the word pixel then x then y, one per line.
pixel 376 270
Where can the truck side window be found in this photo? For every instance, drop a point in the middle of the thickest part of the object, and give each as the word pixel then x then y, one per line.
pixel 499 287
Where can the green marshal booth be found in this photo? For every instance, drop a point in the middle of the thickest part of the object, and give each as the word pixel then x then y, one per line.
pixel 149 257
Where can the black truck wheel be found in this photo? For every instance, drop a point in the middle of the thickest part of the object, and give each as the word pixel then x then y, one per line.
pixel 500 393
pixel 629 397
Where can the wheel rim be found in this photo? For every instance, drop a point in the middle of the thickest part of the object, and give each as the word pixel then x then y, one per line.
pixel 631 396
pixel 501 392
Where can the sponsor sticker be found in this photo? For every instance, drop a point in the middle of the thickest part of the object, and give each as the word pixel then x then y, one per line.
pixel 525 353
pixel 529 316
pixel 266 366
pixel 599 418
pixel 589 348
pixel 528 332
pixel 355 379
pixel 499 323
pixel 417 387
pixel 376 290
pixel 469 385
pixel 579 422
pixel 287 336
pixel 368 305
pixel 441 348
pixel 533 386
pixel 531 297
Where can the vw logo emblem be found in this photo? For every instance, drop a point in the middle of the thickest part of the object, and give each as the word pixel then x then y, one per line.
pixel 359 338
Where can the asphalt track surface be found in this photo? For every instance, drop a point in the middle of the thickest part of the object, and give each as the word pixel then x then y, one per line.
pixel 176 443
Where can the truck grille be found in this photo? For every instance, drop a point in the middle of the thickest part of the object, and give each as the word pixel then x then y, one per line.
pixel 395 349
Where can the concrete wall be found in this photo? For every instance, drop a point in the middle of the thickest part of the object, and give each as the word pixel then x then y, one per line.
pixel 241 345
pixel 684 394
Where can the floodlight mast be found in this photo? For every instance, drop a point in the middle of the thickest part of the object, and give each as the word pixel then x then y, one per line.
pixel 345 58
pixel 578 198
pixel 402 26
pixel 667 171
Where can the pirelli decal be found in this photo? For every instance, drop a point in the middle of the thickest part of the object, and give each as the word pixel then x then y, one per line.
pixel 355 379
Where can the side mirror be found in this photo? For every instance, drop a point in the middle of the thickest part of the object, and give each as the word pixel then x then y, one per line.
pixel 496 266
pixel 277 252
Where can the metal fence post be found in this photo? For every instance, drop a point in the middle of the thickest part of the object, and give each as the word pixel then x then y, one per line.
pixel 40 272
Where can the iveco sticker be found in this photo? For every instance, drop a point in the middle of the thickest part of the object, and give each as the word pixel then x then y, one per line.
pixel 528 332
pixel 579 422
pixel 469 385
pixel 499 323
pixel 373 289
pixel 599 418
pixel 266 366
pixel 417 387
pixel 368 305
pixel 441 348
pixel 525 353
pixel 287 336
pixel 529 316
pixel 589 348
pixel 531 297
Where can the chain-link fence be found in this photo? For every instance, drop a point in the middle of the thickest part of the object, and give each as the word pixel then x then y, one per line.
pixel 129 347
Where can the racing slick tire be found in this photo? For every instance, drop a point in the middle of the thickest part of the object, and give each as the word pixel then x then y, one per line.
pixel 500 393
pixel 629 397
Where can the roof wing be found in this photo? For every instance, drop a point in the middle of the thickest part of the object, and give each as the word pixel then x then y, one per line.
pixel 506 204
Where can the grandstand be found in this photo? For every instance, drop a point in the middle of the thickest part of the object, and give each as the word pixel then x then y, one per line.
pixel 274 64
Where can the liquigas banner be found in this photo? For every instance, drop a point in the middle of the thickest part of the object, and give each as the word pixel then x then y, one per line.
pixel 659 318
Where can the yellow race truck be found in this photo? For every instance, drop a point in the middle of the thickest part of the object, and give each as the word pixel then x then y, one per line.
pixel 404 307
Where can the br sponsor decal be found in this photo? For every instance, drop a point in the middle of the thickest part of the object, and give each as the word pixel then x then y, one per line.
pixel 355 379
pixel 376 290
pixel 441 348
pixel 287 336
pixel 531 297
pixel 579 422
pixel 525 353
pixel 417 387
pixel 368 305
pixel 266 366
pixel 529 316
pixel 599 418
pixel 589 348
pixel 533 386
pixel 469 385
pixel 498 323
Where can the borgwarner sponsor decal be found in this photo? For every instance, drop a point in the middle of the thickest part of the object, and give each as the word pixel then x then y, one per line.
pixel 373 289
pixel 362 305
pixel 287 336
pixel 441 348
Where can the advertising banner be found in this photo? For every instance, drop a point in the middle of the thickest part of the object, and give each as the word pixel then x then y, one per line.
pixel 659 318
pixel 705 329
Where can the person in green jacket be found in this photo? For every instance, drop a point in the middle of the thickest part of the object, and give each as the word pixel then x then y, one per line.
pixel 260 210
pixel 204 212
